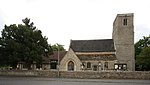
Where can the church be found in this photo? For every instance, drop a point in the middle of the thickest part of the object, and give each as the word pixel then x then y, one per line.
pixel 100 54
pixel 103 54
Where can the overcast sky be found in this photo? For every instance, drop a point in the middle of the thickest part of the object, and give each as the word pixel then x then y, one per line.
pixel 63 20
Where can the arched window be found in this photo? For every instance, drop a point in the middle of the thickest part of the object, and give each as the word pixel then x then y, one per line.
pixel 88 65
pixel 106 65
pixel 100 65
pixel 70 66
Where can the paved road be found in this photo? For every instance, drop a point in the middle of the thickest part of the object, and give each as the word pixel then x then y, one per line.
pixel 55 81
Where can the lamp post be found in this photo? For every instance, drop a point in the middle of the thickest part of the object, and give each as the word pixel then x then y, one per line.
pixel 58 59
pixel 58 66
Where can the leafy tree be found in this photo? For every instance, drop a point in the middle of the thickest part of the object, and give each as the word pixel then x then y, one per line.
pixel 142 54
pixel 23 42
pixel 142 43
pixel 143 59
pixel 57 47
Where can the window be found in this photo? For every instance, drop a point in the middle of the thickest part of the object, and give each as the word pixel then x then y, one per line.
pixel 99 63
pixel 124 66
pixel 106 65
pixel 125 21
pixel 116 66
pixel 95 68
pixel 120 66
pixel 88 65
pixel 70 66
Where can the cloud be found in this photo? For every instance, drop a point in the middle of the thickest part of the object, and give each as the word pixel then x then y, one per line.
pixel 62 20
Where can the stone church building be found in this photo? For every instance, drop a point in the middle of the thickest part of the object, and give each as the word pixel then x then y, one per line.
pixel 98 55
pixel 103 54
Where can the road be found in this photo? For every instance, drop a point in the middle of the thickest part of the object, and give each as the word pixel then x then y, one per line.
pixel 60 81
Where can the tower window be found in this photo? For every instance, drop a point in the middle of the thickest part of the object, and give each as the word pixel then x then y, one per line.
pixel 125 21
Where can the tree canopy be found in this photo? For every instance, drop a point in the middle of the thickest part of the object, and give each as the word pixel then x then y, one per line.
pixel 57 47
pixel 23 43
pixel 142 54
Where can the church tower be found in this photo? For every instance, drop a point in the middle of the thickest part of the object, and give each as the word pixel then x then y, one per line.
pixel 123 36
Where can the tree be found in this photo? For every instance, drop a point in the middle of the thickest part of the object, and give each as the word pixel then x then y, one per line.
pixel 55 47
pixel 143 59
pixel 23 42
pixel 142 54
pixel 142 43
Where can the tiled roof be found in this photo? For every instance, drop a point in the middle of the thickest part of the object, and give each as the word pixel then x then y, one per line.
pixel 97 57
pixel 54 56
pixel 104 45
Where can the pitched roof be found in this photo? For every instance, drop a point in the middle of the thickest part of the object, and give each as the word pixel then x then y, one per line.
pixel 54 56
pixel 104 45
pixel 99 57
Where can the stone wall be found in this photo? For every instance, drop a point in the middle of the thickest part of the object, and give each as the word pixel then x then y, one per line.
pixel 25 73
pixel 81 75
pixel 106 75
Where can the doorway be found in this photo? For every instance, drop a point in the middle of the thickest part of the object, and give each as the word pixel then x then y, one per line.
pixel 53 64
pixel 70 66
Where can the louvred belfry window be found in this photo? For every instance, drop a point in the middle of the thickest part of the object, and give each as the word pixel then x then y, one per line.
pixel 125 21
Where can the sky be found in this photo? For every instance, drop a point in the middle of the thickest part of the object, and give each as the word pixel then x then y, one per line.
pixel 64 20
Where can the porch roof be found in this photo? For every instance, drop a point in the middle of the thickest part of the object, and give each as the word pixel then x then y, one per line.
pixel 54 56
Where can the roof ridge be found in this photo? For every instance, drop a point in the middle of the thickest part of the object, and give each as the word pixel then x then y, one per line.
pixel 92 40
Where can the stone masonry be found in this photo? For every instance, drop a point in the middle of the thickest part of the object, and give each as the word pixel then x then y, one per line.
pixel 123 36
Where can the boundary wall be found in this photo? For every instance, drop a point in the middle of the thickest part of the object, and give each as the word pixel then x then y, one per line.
pixel 80 74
